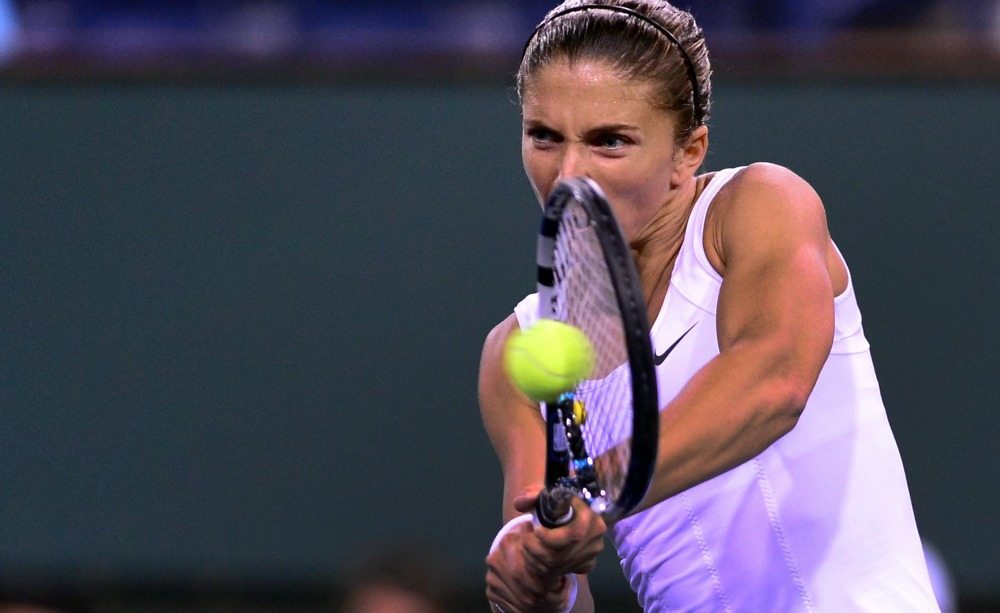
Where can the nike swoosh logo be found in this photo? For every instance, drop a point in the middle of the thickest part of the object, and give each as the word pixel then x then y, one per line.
pixel 660 357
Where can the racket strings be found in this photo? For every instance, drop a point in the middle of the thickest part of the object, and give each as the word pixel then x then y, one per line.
pixel 585 296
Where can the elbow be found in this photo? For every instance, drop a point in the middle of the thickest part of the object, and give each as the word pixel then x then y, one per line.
pixel 787 401
pixel 798 390
pixel 788 380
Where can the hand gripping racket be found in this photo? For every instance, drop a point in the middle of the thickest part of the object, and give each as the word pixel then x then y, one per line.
pixel 600 437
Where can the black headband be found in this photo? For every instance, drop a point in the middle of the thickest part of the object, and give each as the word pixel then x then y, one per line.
pixel 692 75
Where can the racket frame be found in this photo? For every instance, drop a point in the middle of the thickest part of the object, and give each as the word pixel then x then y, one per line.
pixel 632 306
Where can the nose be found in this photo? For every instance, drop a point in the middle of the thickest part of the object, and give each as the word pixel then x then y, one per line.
pixel 573 163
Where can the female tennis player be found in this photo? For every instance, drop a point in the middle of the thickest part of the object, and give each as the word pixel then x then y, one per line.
pixel 778 485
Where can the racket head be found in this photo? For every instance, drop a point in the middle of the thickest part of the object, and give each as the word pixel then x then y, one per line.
pixel 587 278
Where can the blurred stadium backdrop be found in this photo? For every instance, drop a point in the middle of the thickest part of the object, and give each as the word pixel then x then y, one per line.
pixel 249 251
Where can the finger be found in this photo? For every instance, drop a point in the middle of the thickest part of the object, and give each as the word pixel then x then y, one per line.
pixel 525 501
pixel 550 569
pixel 512 585
pixel 555 599
pixel 558 599
pixel 510 593
pixel 541 553
pixel 528 585
pixel 564 553
pixel 557 541
pixel 586 526
pixel 499 604
pixel 513 576
pixel 504 602
pixel 497 593
pixel 501 564
pixel 549 577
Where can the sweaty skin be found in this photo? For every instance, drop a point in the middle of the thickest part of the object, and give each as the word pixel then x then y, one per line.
pixel 767 237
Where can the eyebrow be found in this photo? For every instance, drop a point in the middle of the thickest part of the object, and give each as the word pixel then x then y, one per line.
pixel 601 129
pixel 611 127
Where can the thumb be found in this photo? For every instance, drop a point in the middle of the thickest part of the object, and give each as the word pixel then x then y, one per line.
pixel 525 501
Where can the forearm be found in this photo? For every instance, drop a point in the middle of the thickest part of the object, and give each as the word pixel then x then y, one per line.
pixel 584 599
pixel 737 405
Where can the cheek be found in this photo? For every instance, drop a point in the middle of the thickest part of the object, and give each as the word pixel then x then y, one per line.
pixel 538 170
pixel 636 196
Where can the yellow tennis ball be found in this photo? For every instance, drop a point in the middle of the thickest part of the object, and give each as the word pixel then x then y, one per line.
pixel 547 359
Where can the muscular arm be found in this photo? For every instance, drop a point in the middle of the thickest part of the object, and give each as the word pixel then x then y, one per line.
pixel 515 427
pixel 775 330
pixel 512 421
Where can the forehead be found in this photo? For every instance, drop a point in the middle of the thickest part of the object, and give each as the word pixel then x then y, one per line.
pixel 587 88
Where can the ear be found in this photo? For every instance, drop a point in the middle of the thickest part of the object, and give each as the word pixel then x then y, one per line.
pixel 689 156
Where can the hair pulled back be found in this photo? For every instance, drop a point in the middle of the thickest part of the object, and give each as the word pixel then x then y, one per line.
pixel 633 47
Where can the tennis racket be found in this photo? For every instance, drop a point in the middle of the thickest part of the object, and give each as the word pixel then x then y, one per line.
pixel 600 437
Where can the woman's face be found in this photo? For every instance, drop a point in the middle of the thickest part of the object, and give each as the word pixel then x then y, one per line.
pixel 585 120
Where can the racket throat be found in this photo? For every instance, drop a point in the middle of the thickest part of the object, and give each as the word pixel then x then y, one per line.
pixel 557 462
pixel 567 448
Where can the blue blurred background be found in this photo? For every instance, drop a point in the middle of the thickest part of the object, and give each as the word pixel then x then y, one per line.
pixel 249 251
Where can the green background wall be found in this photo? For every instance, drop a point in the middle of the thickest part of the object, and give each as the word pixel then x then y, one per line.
pixel 240 325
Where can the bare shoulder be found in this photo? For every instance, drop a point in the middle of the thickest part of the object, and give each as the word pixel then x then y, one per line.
pixel 765 184
pixel 765 203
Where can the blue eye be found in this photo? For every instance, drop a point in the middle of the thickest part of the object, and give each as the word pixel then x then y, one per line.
pixel 611 141
pixel 540 135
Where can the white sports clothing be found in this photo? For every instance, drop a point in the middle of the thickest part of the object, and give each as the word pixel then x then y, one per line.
pixel 820 521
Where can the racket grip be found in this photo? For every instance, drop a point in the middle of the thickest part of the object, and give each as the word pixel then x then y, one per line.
pixel 555 507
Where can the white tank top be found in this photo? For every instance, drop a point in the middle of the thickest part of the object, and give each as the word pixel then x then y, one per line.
pixel 819 521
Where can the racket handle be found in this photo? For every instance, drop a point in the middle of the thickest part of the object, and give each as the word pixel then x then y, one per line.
pixel 555 507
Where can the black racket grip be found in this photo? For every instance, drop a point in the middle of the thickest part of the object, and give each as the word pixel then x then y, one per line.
pixel 555 507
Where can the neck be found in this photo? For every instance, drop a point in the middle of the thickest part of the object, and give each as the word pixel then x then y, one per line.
pixel 657 244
